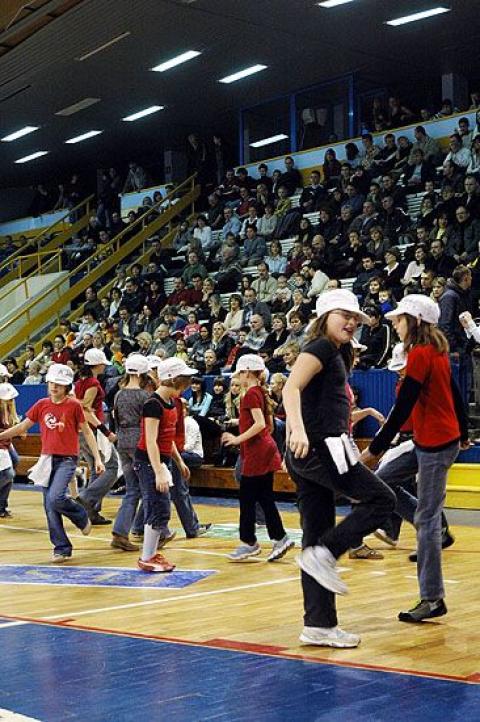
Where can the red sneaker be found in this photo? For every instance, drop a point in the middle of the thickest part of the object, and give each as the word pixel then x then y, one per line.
pixel 158 563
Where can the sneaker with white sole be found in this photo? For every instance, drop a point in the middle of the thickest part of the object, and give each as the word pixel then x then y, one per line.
pixel 157 564
pixel 87 528
pixel 385 538
pixel 245 551
pixel 329 637
pixel 280 548
pixel 58 558
pixel 424 610
pixel 319 563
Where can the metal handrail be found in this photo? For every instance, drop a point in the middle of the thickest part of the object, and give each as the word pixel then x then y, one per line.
pixel 112 246
pixel 44 231
pixel 54 255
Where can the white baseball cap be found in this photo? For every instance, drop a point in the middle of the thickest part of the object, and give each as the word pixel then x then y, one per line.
pixel 170 368
pixel 420 307
pixel 4 371
pixel 60 374
pixel 339 299
pixel 137 364
pixel 399 358
pixel 250 362
pixel 95 357
pixel 357 345
pixel 154 361
pixel 8 392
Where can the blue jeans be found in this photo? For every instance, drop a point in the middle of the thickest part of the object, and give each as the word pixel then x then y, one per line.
pixel 6 479
pixel 180 495
pixel 56 502
pixel 129 506
pixel 431 485
pixel 98 486
pixel 156 505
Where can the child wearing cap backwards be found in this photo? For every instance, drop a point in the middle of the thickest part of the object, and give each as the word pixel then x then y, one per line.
pixel 8 417
pixel 440 422
pixel 259 459
pixel 322 462
pixel 154 454
pixel 61 418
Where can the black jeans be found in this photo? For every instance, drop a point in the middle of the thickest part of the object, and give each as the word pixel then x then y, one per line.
pixel 317 480
pixel 259 489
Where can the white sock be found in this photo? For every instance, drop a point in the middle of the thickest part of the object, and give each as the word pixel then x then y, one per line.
pixel 150 542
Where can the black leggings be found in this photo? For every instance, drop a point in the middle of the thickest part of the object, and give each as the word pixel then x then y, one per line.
pixel 259 489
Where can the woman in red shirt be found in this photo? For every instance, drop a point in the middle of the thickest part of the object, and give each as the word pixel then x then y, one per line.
pixel 429 394
pixel 60 418
pixel 153 458
pixel 259 459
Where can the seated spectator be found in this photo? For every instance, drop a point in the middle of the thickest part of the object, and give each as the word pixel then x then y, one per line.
pixel 229 270
pixel 294 259
pixel 470 199
pixel 313 195
pixel 214 212
pixel 375 285
pixel 414 270
pixel 182 350
pixel 179 294
pixel 267 223
pixel 369 152
pixel 438 288
pixel 401 156
pixel 89 324
pixel 183 238
pixel 133 297
pixel 361 283
pixel 257 334
pixel 364 222
pixel 427 215
pixel 216 310
pixel 263 197
pixel 34 376
pixel 155 299
pixel 211 364
pixel 378 245
pixel 145 321
pixel 282 296
pixel 221 343
pixel 252 306
pixel 291 178
pixel 195 295
pixel 192 328
pixel 145 343
pixel 290 352
pixel 297 327
pixel 447 203
pixel 16 376
pixel 385 160
pixel 200 345
pixel 393 272
pixel 463 243
pixel 326 226
pixel 417 172
pixel 228 189
pixel 393 221
pixel 426 282
pixel 376 338
pixel 283 204
pixel 232 223
pixel 386 301
pixel 305 232
pixel 244 180
pixel 162 341
pixel 474 165
pixel 390 187
pixel 398 114
pixel 200 400
pixel 237 349
pixel 447 109
pixel 457 153
pixel 208 288
pixel 442 229
pixel 193 268
pixel 438 261
pixel 429 147
pixel 349 259
pixel 216 411
pixel 331 169
pixel 278 335
pixel 264 284
pixel 254 249
pixel 317 278
pixel 234 317
pixel 192 453
pixel 277 263
pixel 251 219
pixel 175 322
pixel 354 200
pixel 353 155
pixel 246 202
pixel 375 196
pixel 301 305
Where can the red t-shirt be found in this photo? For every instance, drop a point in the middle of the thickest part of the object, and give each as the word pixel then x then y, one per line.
pixel 81 387
pixel 61 357
pixel 259 454
pixel 59 425
pixel 157 408
pixel 434 419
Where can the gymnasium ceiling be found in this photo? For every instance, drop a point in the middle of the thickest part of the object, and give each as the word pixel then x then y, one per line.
pixel 302 44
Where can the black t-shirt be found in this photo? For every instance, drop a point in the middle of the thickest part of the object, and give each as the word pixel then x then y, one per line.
pixel 325 405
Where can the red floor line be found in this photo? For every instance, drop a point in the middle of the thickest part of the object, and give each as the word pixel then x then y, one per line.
pixel 246 647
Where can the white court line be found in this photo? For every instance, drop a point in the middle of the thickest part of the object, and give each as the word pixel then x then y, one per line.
pixel 166 600
pixel 11 624
pixel 378 574
pixel 7 715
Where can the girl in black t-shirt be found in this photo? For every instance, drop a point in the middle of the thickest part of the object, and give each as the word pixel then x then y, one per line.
pixel 322 461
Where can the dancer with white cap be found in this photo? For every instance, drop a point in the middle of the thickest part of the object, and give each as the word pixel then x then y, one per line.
pixel 61 419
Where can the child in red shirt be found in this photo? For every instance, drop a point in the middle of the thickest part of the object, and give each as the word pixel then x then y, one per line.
pixel 260 459
pixel 60 418
pixel 155 451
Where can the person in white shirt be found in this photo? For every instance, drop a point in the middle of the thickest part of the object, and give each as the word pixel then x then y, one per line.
pixel 458 154
pixel 192 453
pixel 471 329
pixel 203 234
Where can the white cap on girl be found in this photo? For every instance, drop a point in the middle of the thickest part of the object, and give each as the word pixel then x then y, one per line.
pixel 7 392
pixel 339 299
pixel 4 371
pixel 60 374
pixel 137 364
pixel 172 367
pixel 250 362
pixel 420 307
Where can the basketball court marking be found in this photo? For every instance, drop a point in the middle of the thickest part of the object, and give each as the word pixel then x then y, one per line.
pixel 7 715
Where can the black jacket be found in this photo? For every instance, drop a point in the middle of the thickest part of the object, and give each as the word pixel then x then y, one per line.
pixel 453 302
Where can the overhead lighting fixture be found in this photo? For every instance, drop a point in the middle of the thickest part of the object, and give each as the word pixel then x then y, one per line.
pixel 178 60
pixel 243 74
pixel 20 133
pixel 84 136
pixel 32 156
pixel 76 107
pixel 103 47
pixel 418 16
pixel 333 3
pixel 268 141
pixel 143 113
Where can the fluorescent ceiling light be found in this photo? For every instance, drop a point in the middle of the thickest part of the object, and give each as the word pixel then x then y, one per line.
pixel 178 60
pixel 418 16
pixel 76 107
pixel 243 73
pixel 20 133
pixel 268 141
pixel 32 156
pixel 84 136
pixel 143 113
pixel 333 3
pixel 100 48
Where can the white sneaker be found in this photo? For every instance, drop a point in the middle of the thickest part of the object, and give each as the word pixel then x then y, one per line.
pixel 60 558
pixel 319 563
pixel 280 548
pixel 87 528
pixel 383 536
pixel 329 637
pixel 245 551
